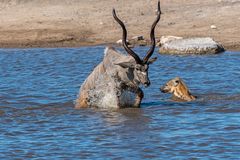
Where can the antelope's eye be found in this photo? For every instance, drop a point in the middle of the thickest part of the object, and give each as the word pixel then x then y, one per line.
pixel 177 81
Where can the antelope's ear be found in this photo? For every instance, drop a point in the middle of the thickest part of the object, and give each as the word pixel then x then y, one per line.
pixel 125 64
pixel 152 60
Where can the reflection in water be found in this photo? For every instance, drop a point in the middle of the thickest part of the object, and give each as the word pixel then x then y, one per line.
pixel 38 88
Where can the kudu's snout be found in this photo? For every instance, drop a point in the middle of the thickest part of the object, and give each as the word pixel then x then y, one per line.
pixel 147 83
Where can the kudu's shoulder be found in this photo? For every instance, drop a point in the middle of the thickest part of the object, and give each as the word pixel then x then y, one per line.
pixel 112 56
pixel 111 53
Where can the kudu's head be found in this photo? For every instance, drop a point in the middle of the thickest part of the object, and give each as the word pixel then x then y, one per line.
pixel 140 68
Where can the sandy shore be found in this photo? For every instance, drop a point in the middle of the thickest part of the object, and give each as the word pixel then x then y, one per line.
pixel 72 23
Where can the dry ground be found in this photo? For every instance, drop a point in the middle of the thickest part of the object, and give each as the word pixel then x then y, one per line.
pixel 70 23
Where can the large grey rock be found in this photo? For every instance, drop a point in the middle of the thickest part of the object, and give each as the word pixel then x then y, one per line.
pixel 191 46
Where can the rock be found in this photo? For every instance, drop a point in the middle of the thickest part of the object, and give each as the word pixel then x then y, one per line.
pixel 137 38
pixel 120 42
pixel 191 46
pixel 130 45
pixel 142 43
pixel 171 23
pixel 138 41
pixel 213 27
pixel 134 41
pixel 165 39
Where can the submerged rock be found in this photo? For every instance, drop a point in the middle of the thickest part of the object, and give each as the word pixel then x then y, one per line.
pixel 191 46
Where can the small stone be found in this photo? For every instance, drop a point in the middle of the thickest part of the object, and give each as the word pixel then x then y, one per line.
pixel 213 27
pixel 137 38
pixel 142 43
pixel 120 41
pixel 171 23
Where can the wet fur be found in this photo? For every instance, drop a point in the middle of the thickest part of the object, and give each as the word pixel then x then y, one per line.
pixel 178 89
pixel 109 85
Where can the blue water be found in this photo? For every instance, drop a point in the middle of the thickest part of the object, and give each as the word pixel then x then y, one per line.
pixel 38 88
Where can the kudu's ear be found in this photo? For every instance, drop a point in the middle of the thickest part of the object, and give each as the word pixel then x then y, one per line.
pixel 125 64
pixel 150 61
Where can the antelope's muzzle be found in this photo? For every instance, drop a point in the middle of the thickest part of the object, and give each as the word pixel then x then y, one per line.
pixel 163 90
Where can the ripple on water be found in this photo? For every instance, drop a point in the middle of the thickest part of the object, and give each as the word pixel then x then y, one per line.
pixel 38 88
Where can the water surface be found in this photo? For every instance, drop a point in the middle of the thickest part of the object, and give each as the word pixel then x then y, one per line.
pixel 38 120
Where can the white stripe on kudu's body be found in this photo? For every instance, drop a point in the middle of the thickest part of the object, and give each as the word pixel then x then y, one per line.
pixel 114 83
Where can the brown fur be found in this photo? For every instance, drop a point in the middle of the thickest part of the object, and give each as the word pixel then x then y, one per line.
pixel 179 90
pixel 139 98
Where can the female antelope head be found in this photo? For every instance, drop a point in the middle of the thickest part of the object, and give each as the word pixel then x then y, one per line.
pixel 140 67
pixel 179 90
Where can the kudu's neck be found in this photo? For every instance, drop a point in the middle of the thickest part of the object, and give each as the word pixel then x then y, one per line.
pixel 127 76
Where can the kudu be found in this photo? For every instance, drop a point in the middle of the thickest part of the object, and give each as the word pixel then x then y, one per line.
pixel 115 82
